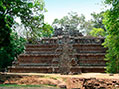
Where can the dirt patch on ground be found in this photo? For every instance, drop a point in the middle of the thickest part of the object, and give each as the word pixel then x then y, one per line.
pixel 83 81
pixel 27 88
pixel 92 83
pixel 31 80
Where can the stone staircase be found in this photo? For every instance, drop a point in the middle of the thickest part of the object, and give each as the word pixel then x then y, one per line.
pixel 39 58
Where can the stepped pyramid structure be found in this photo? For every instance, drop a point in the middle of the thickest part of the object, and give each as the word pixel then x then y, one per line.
pixel 65 52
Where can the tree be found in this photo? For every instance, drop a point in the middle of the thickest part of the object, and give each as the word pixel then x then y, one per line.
pixel 29 12
pixel 34 22
pixel 32 18
pixel 111 21
pixel 12 50
pixel 86 27
pixel 47 30
pixel 72 20
pixel 75 22
pixel 97 20
pixel 98 32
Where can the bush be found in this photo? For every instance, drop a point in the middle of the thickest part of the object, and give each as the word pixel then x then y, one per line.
pixel 9 53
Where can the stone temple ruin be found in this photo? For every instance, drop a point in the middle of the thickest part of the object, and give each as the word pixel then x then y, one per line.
pixel 66 52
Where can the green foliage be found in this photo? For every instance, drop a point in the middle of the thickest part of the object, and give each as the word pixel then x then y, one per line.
pixel 31 16
pixel 75 22
pixel 86 27
pixel 111 21
pixel 30 13
pixel 47 30
pixel 97 20
pixel 34 21
pixel 5 29
pixel 72 20
pixel 9 52
pixel 9 9
pixel 98 32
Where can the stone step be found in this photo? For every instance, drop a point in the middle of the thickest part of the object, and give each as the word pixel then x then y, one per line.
pixel 95 52
pixel 36 58
pixel 31 60
pixel 49 65
pixel 80 54
pixel 57 45
pixel 91 61
pixel 53 52
pixel 93 66
pixel 96 64
pixel 76 48
pixel 91 54
pixel 88 44
pixel 39 52
pixel 40 49
pixel 90 50
pixel 88 59
pixel 55 64
pixel 50 60
pixel 36 64
pixel 41 46
pixel 35 69
pixel 60 49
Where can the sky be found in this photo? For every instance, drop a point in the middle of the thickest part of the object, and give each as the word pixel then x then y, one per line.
pixel 60 8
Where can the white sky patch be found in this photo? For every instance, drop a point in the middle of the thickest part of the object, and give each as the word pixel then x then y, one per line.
pixel 18 20
pixel 60 8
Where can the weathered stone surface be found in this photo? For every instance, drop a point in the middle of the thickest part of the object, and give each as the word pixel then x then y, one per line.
pixel 62 54
pixel 92 83
pixel 62 85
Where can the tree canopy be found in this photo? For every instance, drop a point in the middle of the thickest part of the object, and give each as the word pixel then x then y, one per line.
pixel 97 32
pixel 111 21
pixel 97 20
pixel 93 24
pixel 76 22
pixel 30 14
pixel 27 12
pixel 72 20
